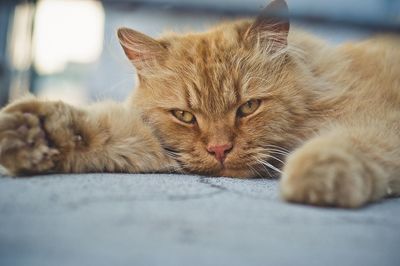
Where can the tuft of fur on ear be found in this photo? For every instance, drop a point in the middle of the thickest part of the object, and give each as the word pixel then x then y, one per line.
pixel 141 49
pixel 271 27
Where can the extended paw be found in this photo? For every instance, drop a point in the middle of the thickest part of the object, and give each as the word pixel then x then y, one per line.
pixel 325 176
pixel 24 148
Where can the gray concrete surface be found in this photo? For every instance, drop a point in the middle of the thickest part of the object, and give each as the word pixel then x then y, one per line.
pixel 118 219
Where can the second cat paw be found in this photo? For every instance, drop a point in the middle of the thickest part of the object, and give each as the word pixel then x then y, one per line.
pixel 326 176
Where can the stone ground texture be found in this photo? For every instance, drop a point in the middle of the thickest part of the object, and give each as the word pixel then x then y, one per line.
pixel 154 219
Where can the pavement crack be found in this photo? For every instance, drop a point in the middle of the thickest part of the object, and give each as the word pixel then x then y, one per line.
pixel 204 180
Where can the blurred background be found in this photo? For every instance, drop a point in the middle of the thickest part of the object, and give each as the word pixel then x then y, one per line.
pixel 67 49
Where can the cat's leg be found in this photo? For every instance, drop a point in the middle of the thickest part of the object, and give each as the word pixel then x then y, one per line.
pixel 345 167
pixel 45 137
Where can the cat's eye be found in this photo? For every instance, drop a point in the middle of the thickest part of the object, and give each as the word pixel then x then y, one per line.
pixel 248 108
pixel 184 116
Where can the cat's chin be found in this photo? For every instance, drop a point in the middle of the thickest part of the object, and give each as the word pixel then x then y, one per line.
pixel 235 173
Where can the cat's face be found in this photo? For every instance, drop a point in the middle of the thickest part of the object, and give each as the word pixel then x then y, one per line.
pixel 222 103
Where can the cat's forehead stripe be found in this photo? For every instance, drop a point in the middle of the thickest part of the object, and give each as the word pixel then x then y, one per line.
pixel 213 87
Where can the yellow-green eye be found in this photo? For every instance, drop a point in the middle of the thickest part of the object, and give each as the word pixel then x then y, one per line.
pixel 184 116
pixel 249 107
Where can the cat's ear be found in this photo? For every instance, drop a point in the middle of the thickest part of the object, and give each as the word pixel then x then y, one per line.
pixel 271 26
pixel 142 50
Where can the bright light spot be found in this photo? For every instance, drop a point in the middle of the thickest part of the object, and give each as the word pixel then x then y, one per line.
pixel 20 37
pixel 67 31
pixel 66 92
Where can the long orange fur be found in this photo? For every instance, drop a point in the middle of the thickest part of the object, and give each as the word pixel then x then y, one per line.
pixel 328 122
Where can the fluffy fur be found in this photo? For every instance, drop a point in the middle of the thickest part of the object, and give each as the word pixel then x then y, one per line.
pixel 328 121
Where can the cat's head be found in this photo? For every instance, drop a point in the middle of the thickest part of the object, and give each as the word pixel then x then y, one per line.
pixel 224 102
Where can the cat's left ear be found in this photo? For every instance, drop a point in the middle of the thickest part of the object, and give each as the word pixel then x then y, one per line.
pixel 271 26
pixel 142 50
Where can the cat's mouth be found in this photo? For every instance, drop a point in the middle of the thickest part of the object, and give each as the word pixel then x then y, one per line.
pixel 250 171
pixel 236 167
pixel 235 171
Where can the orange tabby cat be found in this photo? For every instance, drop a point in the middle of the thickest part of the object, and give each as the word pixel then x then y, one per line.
pixel 244 99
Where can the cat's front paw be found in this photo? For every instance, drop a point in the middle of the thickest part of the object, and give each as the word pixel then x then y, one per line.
pixel 325 175
pixel 24 148
pixel 39 136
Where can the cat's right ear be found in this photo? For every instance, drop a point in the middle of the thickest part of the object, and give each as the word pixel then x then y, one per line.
pixel 271 27
pixel 142 50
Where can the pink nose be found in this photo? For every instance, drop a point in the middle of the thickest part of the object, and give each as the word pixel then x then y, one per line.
pixel 220 151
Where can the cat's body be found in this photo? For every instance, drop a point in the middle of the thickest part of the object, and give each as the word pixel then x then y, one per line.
pixel 234 101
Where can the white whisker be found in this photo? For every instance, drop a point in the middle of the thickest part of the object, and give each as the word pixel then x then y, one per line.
pixel 254 170
pixel 273 157
pixel 277 147
pixel 267 164
pixel 278 152
pixel 264 167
